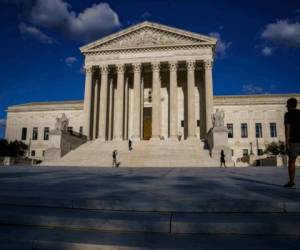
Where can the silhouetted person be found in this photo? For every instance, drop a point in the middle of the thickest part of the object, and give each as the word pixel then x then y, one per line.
pixel 129 145
pixel 292 137
pixel 222 159
pixel 114 156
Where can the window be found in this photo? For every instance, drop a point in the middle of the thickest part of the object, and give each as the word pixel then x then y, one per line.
pixel 81 130
pixel 258 130
pixel 198 123
pixel 244 130
pixel 245 152
pixel 260 152
pixel 35 133
pixel 273 129
pixel 182 123
pixel 24 134
pixel 230 130
pixel 44 151
pixel 232 152
pixel 70 129
pixel 32 152
pixel 46 133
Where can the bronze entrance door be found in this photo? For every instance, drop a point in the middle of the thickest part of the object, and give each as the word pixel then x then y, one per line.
pixel 147 123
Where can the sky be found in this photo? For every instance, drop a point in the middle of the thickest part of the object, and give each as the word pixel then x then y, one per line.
pixel 258 50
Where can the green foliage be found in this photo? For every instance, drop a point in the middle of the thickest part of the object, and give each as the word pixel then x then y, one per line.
pixel 12 149
pixel 276 148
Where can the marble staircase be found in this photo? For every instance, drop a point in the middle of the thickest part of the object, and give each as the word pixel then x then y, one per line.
pixel 144 154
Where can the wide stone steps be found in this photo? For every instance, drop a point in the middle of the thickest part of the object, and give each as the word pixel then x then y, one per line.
pixel 31 238
pixel 38 223
pixel 144 154
pixel 152 222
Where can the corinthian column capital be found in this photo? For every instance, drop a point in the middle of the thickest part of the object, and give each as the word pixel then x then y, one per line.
pixel 191 64
pixel 137 67
pixel 104 68
pixel 208 64
pixel 173 65
pixel 155 66
pixel 121 68
pixel 88 69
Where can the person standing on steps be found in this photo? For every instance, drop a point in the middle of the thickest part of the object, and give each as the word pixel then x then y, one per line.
pixel 222 159
pixel 292 138
pixel 129 144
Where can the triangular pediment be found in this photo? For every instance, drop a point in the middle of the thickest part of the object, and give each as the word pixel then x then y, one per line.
pixel 148 34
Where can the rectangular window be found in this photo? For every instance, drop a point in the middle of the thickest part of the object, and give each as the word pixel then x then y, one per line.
pixel 273 129
pixel 81 130
pixel 232 152
pixel 44 151
pixel 46 133
pixel 258 130
pixel 24 134
pixel 198 123
pixel 35 133
pixel 182 123
pixel 32 152
pixel 244 130
pixel 230 130
pixel 245 152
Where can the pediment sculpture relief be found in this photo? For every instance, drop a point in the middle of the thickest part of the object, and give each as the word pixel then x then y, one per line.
pixel 147 37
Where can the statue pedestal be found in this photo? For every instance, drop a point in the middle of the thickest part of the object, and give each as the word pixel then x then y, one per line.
pixel 218 141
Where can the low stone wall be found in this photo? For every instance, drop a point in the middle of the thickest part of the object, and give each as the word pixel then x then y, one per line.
pixel 61 143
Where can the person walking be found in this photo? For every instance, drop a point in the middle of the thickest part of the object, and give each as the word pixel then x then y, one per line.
pixel 222 159
pixel 292 138
pixel 114 156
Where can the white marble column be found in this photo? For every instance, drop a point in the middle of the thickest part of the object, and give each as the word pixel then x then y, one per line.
pixel 96 106
pixel 119 104
pixel 136 130
pixel 103 103
pixel 173 101
pixel 208 93
pixel 191 99
pixel 88 101
pixel 126 108
pixel 156 101
pixel 110 108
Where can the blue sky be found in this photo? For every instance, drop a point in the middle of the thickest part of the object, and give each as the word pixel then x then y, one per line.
pixel 258 51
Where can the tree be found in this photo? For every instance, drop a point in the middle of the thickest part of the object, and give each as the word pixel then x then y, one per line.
pixel 275 148
pixel 12 149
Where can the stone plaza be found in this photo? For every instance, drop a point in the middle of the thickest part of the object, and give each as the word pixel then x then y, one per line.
pixel 148 208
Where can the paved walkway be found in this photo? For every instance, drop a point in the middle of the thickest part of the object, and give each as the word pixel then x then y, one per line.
pixel 177 189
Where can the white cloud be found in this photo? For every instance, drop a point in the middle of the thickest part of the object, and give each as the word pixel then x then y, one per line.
pixel 283 32
pixel 251 89
pixel 32 32
pixel 70 61
pixel 222 46
pixel 91 23
pixel 267 51
pixel 2 123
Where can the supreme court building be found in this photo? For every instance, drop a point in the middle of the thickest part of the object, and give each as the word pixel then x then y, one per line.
pixel 151 83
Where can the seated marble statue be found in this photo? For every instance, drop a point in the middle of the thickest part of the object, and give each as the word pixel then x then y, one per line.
pixel 62 123
pixel 218 118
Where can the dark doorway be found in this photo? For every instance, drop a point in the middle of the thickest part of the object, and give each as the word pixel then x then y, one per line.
pixel 147 123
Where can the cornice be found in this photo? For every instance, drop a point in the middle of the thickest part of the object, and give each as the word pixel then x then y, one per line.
pixel 267 99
